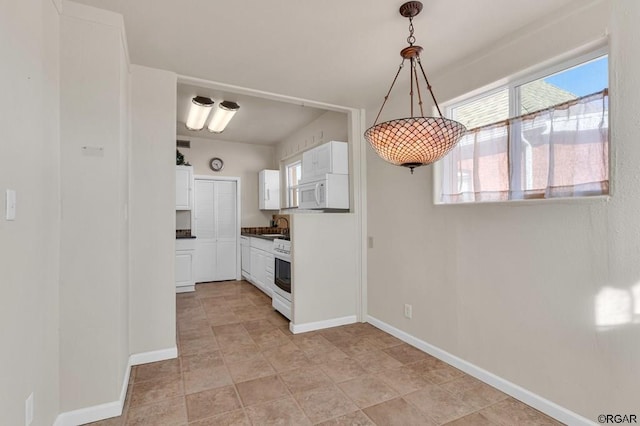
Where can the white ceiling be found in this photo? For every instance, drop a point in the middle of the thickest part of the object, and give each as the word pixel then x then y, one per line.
pixel 259 121
pixel 333 51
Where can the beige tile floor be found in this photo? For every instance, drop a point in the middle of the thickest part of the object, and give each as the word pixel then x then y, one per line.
pixel 239 365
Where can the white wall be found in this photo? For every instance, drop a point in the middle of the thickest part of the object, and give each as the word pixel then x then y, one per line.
pixel 153 96
pixel 514 288
pixel 324 271
pixel 94 296
pixel 330 126
pixel 326 254
pixel 240 160
pixel 29 245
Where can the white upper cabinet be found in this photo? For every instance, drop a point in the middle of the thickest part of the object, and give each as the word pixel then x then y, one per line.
pixel 184 185
pixel 269 190
pixel 331 157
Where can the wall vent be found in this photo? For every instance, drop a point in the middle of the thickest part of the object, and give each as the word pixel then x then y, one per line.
pixel 183 143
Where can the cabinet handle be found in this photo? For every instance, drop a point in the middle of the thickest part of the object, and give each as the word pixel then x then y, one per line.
pixel 317 194
pixel 268 194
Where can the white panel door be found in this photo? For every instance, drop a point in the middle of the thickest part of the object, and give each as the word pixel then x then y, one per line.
pixel 205 231
pixel 215 230
pixel 226 230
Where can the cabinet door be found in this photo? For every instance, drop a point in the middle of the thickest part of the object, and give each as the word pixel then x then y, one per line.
pixel 263 270
pixel 246 260
pixel 184 178
pixel 269 190
pixel 308 165
pixel 262 190
pixel 331 157
pixel 322 158
pixel 254 265
pixel 183 269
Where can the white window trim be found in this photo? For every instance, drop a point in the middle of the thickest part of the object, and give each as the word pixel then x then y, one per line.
pixel 285 181
pixel 576 57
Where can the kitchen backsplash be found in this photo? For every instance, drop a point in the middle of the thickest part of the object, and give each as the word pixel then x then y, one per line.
pixel 282 226
pixel 265 230
pixel 183 233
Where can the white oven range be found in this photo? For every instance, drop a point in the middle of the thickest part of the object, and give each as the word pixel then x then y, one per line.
pixel 281 300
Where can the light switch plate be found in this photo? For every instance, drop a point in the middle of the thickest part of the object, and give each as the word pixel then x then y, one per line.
pixel 10 204
pixel 28 410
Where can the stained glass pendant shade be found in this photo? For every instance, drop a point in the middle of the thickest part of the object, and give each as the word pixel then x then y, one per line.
pixel 417 140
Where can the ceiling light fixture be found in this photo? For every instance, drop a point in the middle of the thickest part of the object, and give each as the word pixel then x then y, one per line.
pixel 198 113
pixel 222 115
pixel 415 141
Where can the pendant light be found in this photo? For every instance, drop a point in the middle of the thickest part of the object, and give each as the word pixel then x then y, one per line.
pixel 222 115
pixel 199 112
pixel 417 140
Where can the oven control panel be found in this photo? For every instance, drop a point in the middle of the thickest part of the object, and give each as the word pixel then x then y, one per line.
pixel 282 246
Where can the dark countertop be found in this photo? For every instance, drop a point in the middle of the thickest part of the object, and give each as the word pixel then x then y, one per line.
pixel 180 237
pixel 266 236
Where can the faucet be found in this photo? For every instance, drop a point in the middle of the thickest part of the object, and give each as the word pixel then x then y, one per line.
pixel 286 220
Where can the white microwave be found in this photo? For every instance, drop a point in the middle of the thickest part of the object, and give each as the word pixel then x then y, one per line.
pixel 332 192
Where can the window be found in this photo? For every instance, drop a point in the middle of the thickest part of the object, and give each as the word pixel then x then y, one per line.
pixel 543 136
pixel 293 175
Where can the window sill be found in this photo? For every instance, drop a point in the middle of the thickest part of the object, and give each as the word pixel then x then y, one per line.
pixel 595 199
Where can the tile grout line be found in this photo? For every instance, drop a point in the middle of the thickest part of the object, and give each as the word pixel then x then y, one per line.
pixel 277 374
pixel 292 396
pixel 456 392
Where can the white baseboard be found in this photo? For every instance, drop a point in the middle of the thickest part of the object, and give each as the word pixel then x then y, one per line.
pixel 114 408
pixel 153 356
pixel 319 325
pixel 96 412
pixel 536 401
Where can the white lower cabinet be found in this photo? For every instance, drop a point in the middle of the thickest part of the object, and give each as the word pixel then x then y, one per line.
pixel 185 249
pixel 257 255
pixel 245 246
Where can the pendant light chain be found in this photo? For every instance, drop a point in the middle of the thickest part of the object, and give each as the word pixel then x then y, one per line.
pixel 412 71
pixel 417 140
pixel 389 92
pixel 411 39
pixel 415 73
pixel 429 87
pixel 413 67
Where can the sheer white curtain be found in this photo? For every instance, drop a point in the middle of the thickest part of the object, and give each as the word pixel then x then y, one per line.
pixel 477 169
pixel 561 151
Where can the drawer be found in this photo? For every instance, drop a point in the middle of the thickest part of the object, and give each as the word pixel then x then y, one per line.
pixel 262 244
pixel 185 244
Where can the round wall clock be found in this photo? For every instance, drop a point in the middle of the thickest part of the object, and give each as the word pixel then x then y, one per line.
pixel 216 164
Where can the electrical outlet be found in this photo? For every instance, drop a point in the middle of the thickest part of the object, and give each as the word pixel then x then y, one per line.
pixel 28 410
pixel 370 242
pixel 408 311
